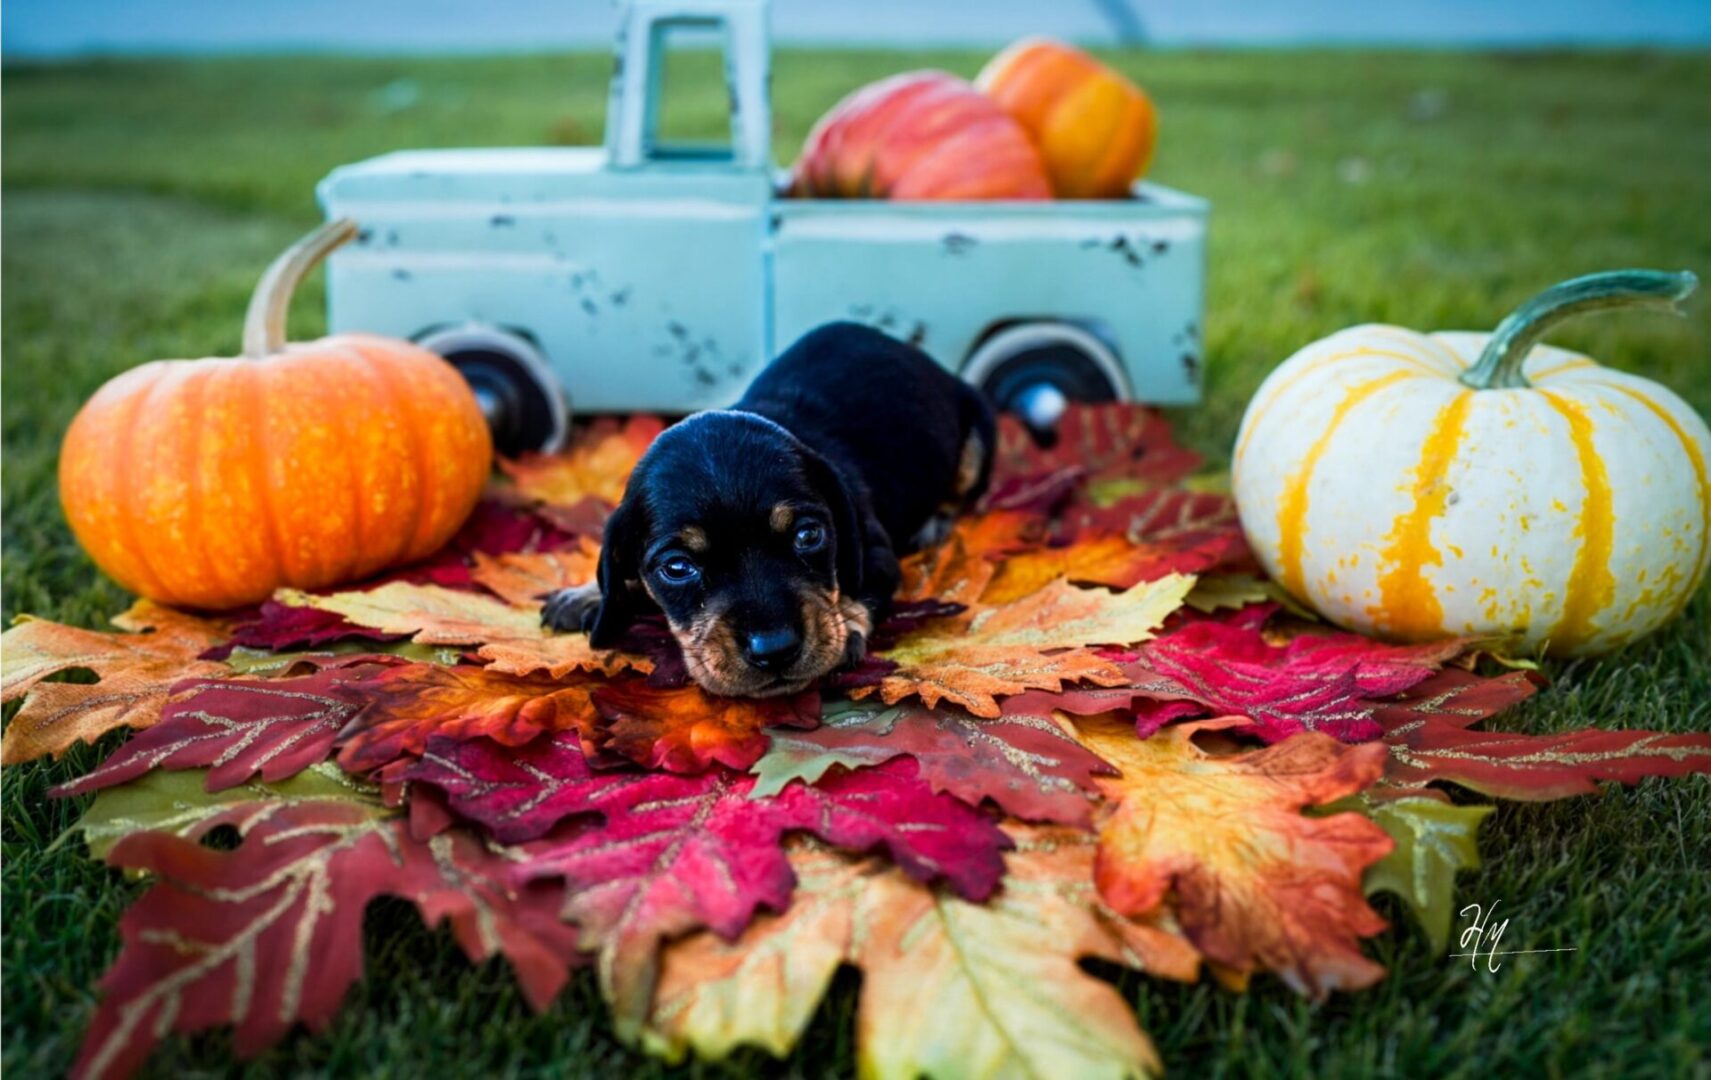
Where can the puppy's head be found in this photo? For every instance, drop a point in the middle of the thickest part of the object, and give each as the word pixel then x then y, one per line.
pixel 748 541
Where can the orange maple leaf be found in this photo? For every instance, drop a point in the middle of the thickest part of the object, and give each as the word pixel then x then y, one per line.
pixel 1221 841
pixel 959 566
pixel 686 729
pixel 1096 559
pixel 407 705
pixel 1037 643
pixel 524 578
pixel 597 465
pixel 135 674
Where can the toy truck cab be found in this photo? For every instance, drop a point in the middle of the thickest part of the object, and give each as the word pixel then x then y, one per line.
pixel 654 275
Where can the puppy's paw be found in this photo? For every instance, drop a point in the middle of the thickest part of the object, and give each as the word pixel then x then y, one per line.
pixel 572 609
pixel 858 624
pixel 855 649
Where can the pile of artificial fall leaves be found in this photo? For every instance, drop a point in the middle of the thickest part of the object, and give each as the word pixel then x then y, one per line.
pixel 1088 730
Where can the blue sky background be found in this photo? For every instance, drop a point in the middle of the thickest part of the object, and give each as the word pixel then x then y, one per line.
pixel 78 27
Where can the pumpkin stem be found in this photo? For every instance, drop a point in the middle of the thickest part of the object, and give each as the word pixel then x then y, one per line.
pixel 264 323
pixel 1499 366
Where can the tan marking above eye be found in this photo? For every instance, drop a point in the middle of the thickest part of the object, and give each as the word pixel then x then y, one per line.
pixel 968 465
pixel 782 517
pixel 693 537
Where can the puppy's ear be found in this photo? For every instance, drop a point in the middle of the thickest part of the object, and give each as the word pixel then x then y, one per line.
pixel 848 535
pixel 620 563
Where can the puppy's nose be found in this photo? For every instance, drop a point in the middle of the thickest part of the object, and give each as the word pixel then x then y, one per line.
pixel 772 650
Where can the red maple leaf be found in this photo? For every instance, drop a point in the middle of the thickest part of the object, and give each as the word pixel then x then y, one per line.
pixel 522 793
pixel 676 853
pixel 517 792
pixel 269 935
pixel 237 729
pixel 1329 683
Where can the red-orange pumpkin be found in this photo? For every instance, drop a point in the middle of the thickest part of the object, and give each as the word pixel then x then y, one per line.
pixel 920 135
pixel 211 483
pixel 1094 128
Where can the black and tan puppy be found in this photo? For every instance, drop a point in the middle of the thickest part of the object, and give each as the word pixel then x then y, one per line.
pixel 768 533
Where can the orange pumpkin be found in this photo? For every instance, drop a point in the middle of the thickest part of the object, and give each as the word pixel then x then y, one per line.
pixel 211 483
pixel 1095 129
pixel 920 135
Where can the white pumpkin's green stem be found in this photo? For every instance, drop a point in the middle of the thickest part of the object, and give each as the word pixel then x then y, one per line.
pixel 264 323
pixel 1499 366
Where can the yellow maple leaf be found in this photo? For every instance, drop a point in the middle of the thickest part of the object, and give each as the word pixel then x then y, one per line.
pixel 949 987
pixel 508 635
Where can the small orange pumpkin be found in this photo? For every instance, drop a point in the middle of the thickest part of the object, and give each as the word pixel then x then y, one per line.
pixel 1095 129
pixel 211 483
pixel 919 135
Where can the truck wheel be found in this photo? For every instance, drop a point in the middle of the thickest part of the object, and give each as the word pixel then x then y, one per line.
pixel 1035 369
pixel 524 406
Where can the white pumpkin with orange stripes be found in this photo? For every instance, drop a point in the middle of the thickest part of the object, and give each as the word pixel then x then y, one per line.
pixel 1425 485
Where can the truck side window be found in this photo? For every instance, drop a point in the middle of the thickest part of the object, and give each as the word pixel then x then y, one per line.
pixel 689 114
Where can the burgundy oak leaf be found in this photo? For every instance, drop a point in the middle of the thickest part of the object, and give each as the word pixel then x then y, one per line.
pixel 237 729
pixel 1456 697
pixel 1510 765
pixel 269 935
pixel 281 626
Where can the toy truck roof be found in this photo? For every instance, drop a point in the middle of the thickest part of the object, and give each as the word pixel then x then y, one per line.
pixel 527 175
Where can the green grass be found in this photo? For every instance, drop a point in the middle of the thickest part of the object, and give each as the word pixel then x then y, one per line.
pixel 1434 190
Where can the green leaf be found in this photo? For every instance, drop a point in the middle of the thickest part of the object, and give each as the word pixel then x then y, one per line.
pixel 176 801
pixel 247 661
pixel 1214 591
pixel 1434 839
pixel 792 758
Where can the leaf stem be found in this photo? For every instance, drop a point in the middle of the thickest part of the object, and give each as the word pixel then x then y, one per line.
pixel 264 322
pixel 1499 366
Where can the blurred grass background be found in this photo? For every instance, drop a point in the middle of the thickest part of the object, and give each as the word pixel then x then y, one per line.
pixel 1435 190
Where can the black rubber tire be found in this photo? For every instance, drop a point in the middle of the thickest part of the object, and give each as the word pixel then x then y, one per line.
pixel 518 407
pixel 1062 365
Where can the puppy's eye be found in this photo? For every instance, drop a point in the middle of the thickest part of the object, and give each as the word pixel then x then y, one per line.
pixel 810 537
pixel 678 570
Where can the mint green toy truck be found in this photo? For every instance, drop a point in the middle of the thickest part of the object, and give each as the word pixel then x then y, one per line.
pixel 650 275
